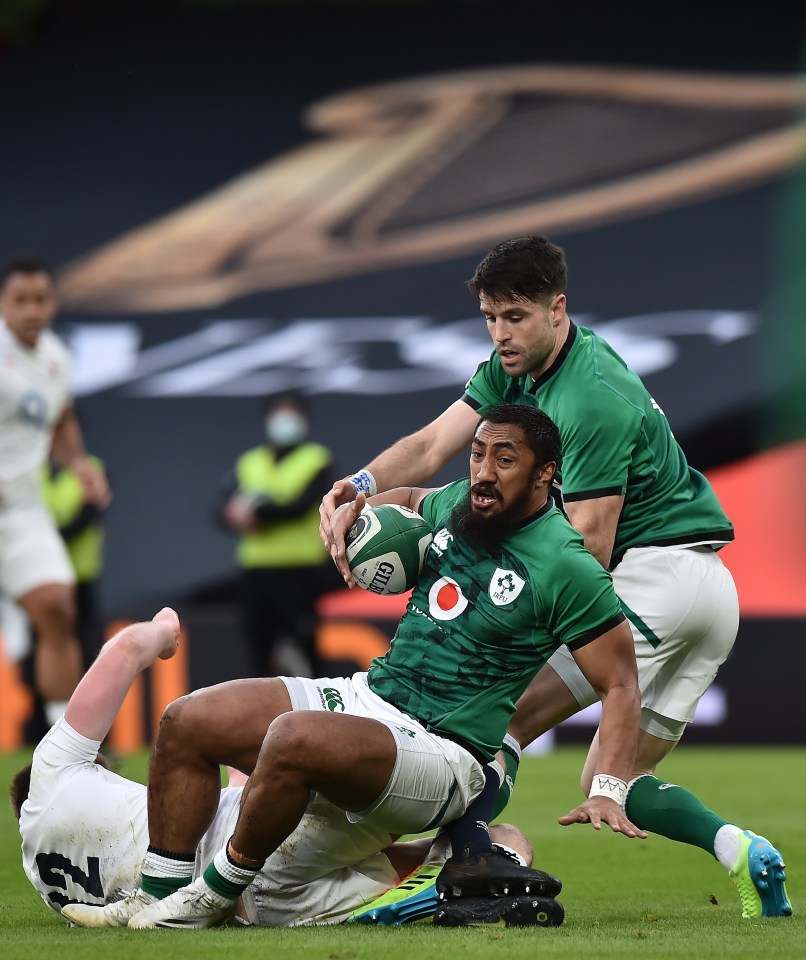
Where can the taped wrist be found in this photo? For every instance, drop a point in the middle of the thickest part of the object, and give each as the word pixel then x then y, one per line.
pixel 364 482
pixel 605 785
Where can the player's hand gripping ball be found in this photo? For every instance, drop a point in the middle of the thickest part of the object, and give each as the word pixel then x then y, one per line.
pixel 386 548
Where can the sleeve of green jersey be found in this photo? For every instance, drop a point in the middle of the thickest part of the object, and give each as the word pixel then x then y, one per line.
pixel 486 388
pixel 434 504
pixel 579 601
pixel 599 437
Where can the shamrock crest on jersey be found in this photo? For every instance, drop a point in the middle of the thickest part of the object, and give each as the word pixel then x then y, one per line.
pixel 505 586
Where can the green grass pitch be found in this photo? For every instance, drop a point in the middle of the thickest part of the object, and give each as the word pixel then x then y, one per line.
pixel 623 898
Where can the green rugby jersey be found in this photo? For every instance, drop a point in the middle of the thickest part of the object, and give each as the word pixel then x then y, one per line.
pixel 615 441
pixel 479 626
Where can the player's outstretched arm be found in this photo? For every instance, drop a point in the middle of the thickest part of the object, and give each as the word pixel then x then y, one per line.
pixel 608 664
pixel 98 697
pixel 409 462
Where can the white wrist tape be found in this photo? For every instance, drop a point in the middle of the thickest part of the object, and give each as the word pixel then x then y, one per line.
pixel 364 482
pixel 606 786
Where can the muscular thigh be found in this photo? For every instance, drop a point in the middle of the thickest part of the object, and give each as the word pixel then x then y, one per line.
pixel 229 721
pixel 433 779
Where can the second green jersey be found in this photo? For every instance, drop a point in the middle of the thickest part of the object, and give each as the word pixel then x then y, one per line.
pixel 615 441
pixel 479 626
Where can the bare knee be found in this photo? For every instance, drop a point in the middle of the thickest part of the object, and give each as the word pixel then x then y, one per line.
pixel 291 742
pixel 510 836
pixel 51 610
pixel 224 724
pixel 177 730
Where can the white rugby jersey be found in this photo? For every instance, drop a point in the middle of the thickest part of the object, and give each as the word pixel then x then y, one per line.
pixel 34 389
pixel 84 829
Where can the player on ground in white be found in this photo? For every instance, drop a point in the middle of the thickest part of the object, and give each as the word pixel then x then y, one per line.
pixel 36 419
pixel 85 833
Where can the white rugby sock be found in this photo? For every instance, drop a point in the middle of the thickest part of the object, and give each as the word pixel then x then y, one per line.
pixel 726 845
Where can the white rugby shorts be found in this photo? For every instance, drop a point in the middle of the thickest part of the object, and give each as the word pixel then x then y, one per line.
pixel 32 553
pixel 433 780
pixel 683 610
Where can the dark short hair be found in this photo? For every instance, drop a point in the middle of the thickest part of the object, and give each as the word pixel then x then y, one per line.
pixel 526 268
pixel 291 397
pixel 25 263
pixel 539 429
pixel 19 788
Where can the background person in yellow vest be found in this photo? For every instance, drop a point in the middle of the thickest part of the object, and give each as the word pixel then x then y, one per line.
pixel 272 502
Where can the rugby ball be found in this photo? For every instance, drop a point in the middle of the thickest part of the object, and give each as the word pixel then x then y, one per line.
pixel 386 548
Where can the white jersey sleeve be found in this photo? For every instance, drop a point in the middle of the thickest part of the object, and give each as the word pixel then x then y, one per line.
pixel 84 829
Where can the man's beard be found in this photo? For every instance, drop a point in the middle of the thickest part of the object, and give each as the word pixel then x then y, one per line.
pixel 483 533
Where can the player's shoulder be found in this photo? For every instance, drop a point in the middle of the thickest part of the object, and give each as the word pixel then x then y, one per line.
pixel 551 543
pixel 551 528
pixel 449 492
pixel 488 370
pixel 9 346
pixel 556 555
pixel 53 341
pixel 437 503
pixel 602 359
pixel 604 373
pixel 51 347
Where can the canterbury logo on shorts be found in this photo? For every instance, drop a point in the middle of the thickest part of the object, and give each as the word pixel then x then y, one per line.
pixel 331 699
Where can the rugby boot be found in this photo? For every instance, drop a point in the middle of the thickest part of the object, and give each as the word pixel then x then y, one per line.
pixel 759 877
pixel 115 914
pixel 493 873
pixel 412 899
pixel 521 911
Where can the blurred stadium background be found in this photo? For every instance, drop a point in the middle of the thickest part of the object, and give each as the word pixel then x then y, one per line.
pixel 242 197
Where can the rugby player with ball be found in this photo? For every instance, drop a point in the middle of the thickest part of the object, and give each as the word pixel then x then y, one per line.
pixel 403 747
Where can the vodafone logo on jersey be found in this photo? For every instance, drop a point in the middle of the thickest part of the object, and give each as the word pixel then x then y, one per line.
pixel 446 600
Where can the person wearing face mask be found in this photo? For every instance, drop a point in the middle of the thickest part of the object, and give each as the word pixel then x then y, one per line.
pixel 271 502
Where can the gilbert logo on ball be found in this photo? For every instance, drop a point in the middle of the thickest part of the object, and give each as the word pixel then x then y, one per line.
pixel 386 548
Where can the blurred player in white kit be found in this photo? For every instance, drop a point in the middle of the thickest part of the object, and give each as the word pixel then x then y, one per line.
pixel 37 419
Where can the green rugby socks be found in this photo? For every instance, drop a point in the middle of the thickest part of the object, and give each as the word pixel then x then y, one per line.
pixel 672 811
